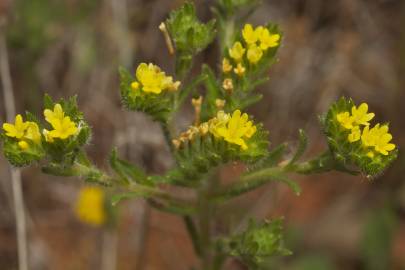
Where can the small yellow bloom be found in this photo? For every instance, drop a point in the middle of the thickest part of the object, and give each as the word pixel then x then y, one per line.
pixel 63 129
pixel 23 145
pixel 379 138
pixel 63 126
pixel 237 51
pixel 360 115
pixel 345 120
pixel 249 34
pixel 254 54
pixel 56 115
pixel 355 135
pixel 32 132
pixel 237 129
pixel 239 70
pixel 90 206
pixel 220 103
pixel 217 122
pixel 18 129
pixel 226 65
pixel 135 86
pixel 268 40
pixel 370 154
pixel 151 78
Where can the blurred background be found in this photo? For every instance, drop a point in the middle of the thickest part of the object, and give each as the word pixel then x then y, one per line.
pixel 331 48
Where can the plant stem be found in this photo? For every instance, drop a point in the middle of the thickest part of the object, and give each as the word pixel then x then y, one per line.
pixel 15 173
pixel 193 233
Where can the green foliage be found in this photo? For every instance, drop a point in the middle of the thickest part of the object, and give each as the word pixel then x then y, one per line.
pixel 197 157
pixel 189 35
pixel 259 242
pixel 158 106
pixel 351 156
pixel 127 171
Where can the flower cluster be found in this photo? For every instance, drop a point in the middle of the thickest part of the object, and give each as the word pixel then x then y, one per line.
pixel 234 129
pixel 151 79
pixel 256 42
pixel 63 126
pixel 25 132
pixel 376 140
pixel 90 206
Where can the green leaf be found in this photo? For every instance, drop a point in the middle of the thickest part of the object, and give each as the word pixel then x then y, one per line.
pixel 128 171
pixel 117 198
pixel 188 33
pixel 302 146
pixel 259 242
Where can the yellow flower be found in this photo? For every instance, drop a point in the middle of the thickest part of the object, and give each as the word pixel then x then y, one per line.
pixel 226 65
pixel 268 40
pixel 63 126
pixel 18 129
pixel 382 144
pixel 249 34
pixel 360 115
pixel 23 145
pixel 239 70
pixel 345 120
pixel 355 135
pixel 237 128
pixel 56 114
pixel 254 54
pixel 32 132
pixel 90 206
pixel 379 138
pixel 153 80
pixel 237 51
pixel 217 122
pixel 135 86
pixel 23 131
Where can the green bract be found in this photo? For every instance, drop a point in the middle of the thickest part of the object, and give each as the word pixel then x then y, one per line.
pixel 352 156
pixel 189 35
pixel 259 242
pixel 202 153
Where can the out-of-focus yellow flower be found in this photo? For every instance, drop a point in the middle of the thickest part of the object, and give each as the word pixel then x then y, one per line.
pixel 345 119
pixel 18 129
pixel 268 40
pixel 227 84
pixel 361 115
pixel 239 70
pixel 226 65
pixel 355 135
pixel 236 129
pixel 254 54
pixel 63 127
pixel 237 51
pixel 90 206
